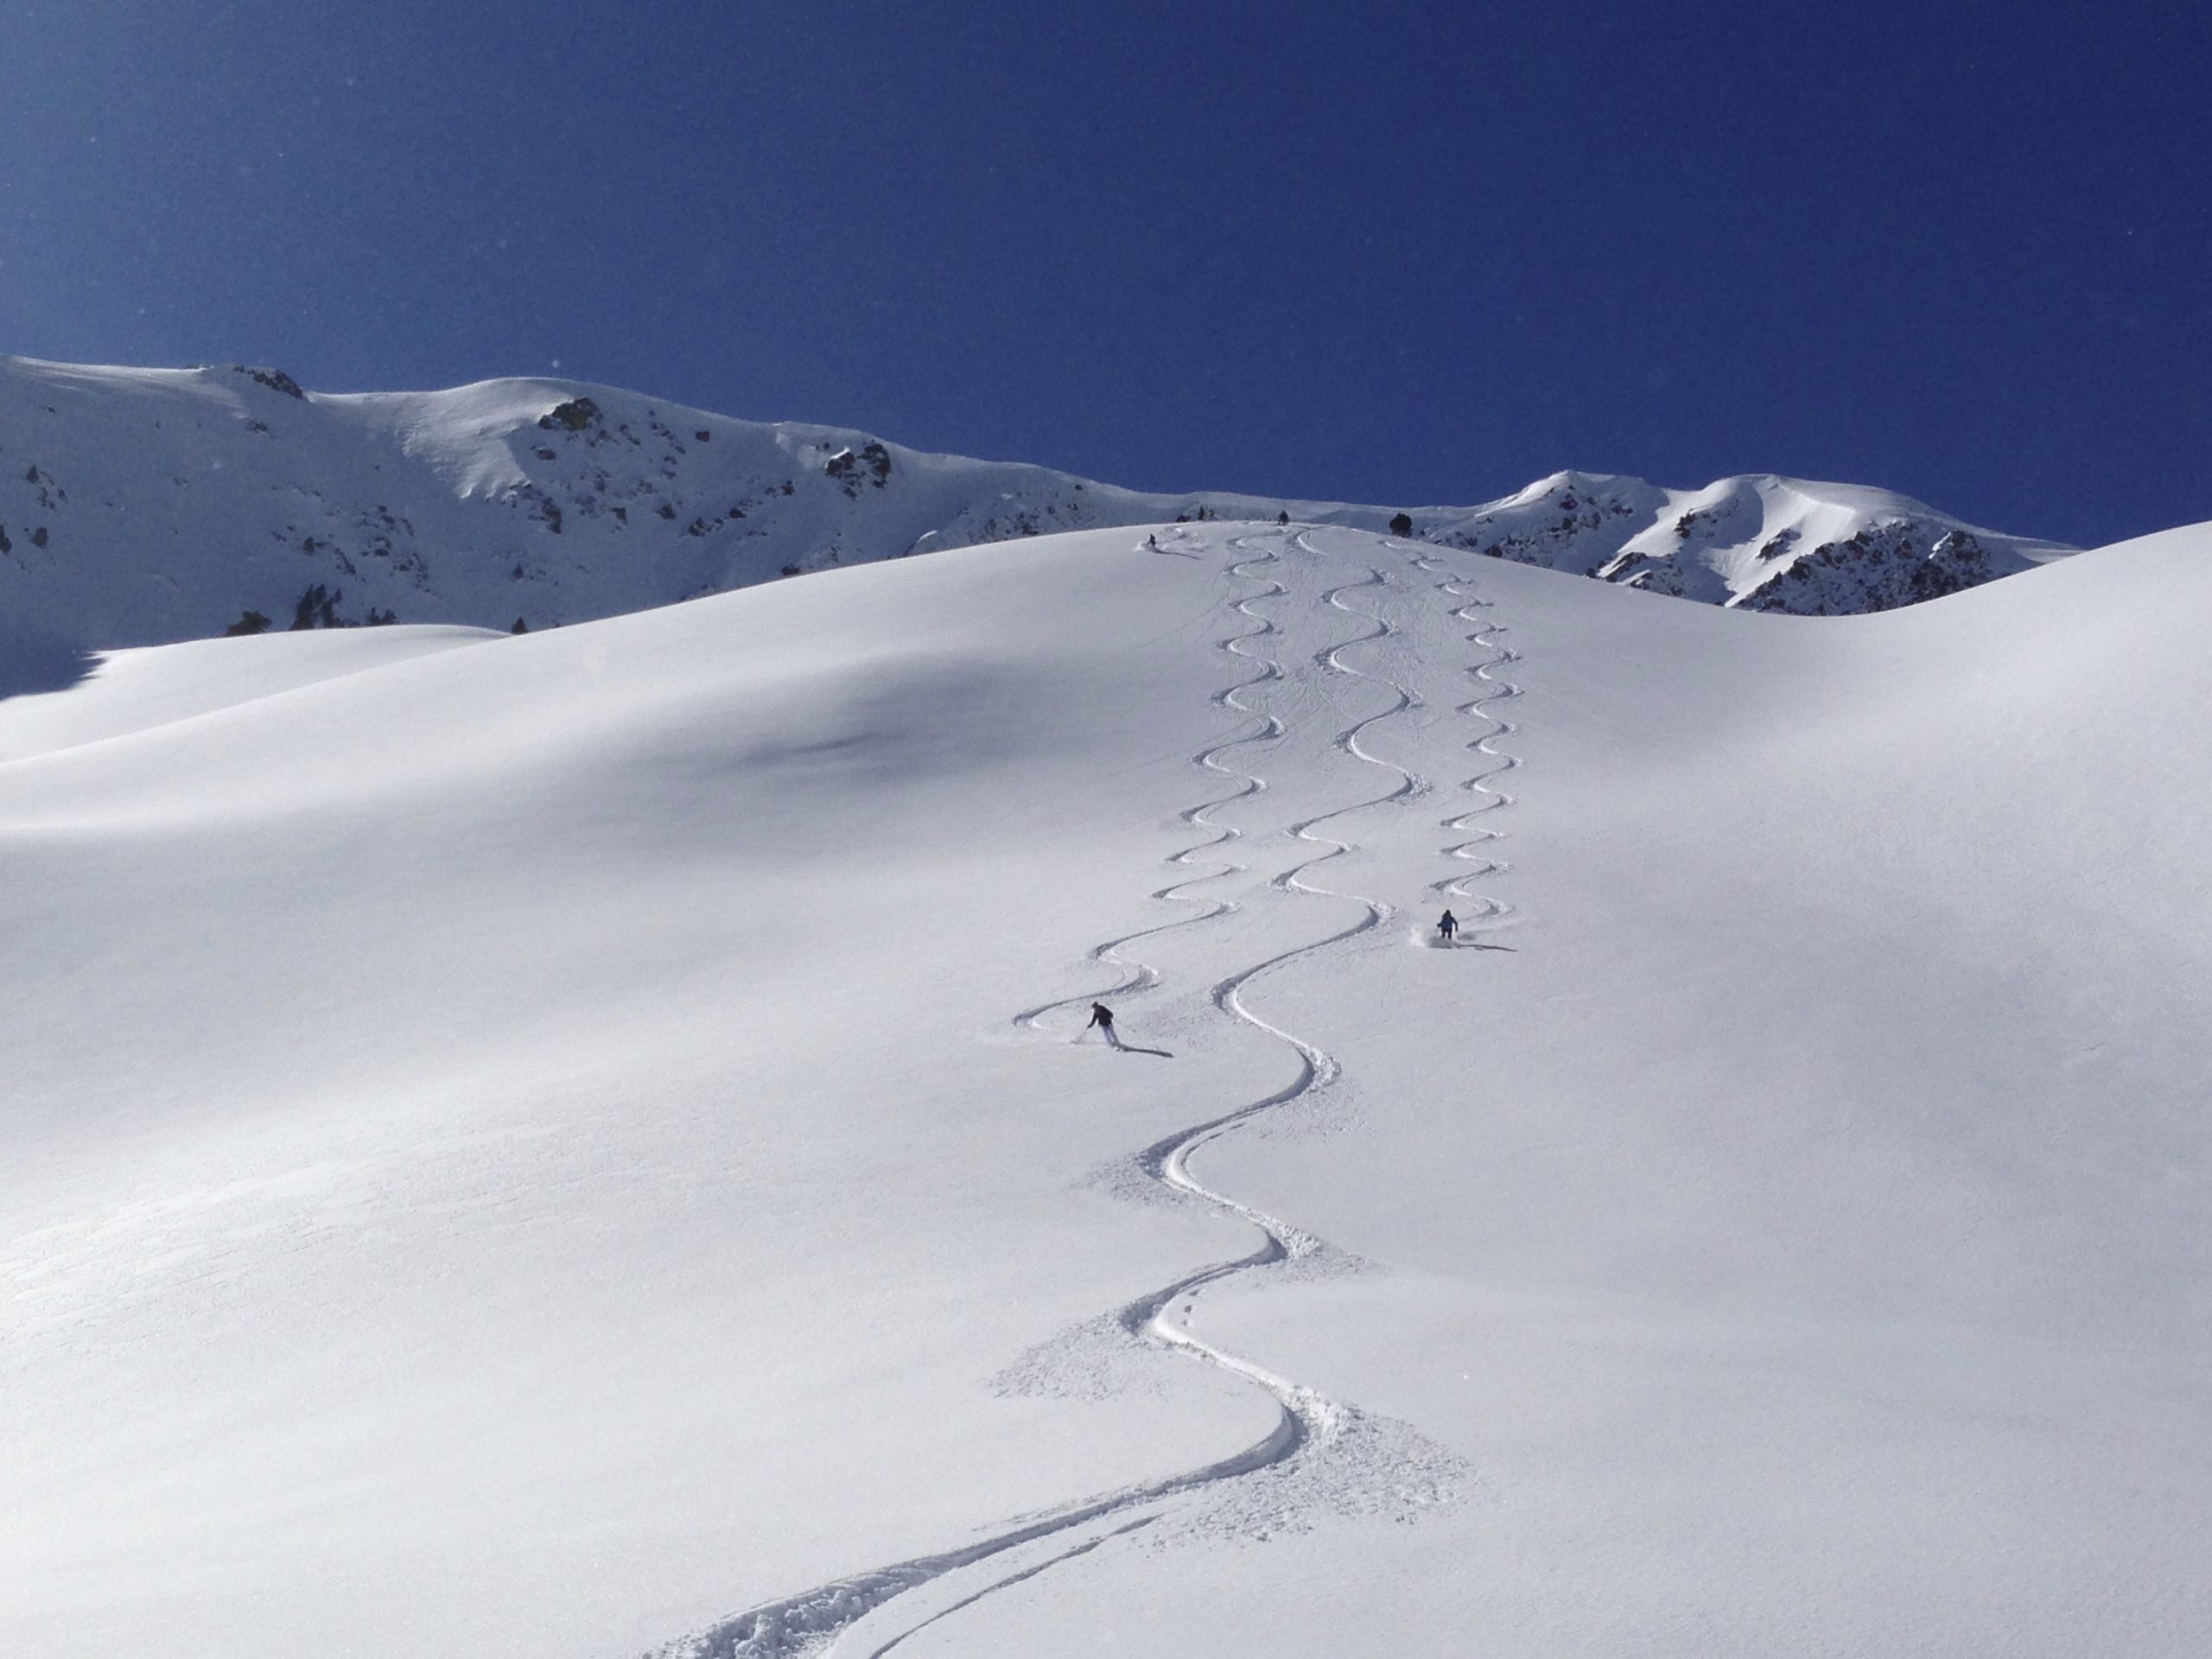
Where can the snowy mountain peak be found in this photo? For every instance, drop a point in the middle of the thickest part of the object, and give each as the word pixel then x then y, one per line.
pixel 141 505
pixel 1761 542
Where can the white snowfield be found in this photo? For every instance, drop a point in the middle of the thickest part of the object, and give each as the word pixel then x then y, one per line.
pixel 144 506
pixel 587 1144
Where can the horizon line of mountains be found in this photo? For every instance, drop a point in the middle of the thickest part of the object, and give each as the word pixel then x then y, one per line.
pixel 142 506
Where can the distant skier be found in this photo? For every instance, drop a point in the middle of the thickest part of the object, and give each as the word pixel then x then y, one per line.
pixel 1448 926
pixel 1103 1017
pixel 1153 542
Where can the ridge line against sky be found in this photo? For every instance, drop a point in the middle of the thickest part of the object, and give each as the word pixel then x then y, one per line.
pixel 1397 252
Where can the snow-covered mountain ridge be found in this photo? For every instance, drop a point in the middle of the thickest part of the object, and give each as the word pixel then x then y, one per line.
pixel 141 506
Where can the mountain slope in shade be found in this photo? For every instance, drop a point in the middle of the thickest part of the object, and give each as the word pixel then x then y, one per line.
pixel 142 507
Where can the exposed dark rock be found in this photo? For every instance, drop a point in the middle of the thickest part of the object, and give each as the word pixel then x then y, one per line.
pixel 850 469
pixel 1644 573
pixel 50 494
pixel 1878 568
pixel 573 416
pixel 274 379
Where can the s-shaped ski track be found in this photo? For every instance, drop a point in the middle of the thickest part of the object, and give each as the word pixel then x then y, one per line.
pixel 1495 689
pixel 1139 975
pixel 810 1621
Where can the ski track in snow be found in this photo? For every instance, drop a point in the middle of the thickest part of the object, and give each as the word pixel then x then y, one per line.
pixel 1385 1467
pixel 1495 912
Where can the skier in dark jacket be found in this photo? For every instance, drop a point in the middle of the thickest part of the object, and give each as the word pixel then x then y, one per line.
pixel 1103 1017
pixel 1446 925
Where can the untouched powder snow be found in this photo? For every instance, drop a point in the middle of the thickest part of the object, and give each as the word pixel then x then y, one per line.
pixel 140 507
pixel 586 1143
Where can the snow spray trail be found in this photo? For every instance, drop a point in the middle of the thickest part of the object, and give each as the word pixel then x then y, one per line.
pixel 1495 689
pixel 1316 1419
pixel 1306 1422
pixel 1139 975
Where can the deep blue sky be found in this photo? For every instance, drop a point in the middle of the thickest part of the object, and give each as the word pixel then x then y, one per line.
pixel 1393 252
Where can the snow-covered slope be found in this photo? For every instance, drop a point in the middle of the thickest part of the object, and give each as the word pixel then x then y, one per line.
pixel 139 507
pixel 585 1144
